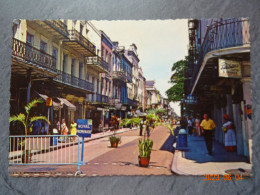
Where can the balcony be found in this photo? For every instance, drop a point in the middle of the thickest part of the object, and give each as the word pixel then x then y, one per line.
pixel 120 76
pixel 98 99
pixel 56 28
pixel 80 43
pixel 228 34
pixel 28 56
pixel 98 64
pixel 73 81
pixel 133 103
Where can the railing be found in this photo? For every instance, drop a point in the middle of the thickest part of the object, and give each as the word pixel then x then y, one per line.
pixel 58 25
pixel 37 57
pixel 119 75
pixel 96 60
pixel 45 150
pixel 223 34
pixel 104 99
pixel 129 77
pixel 75 35
pixel 74 81
pixel 132 102
pixel 98 97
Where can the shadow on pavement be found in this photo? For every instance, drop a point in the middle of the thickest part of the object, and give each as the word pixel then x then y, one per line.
pixel 198 152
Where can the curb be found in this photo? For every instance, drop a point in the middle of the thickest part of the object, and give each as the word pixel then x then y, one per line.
pixel 174 169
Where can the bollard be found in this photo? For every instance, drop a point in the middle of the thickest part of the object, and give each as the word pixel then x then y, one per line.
pixel 182 138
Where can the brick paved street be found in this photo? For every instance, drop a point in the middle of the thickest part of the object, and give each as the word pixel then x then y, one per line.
pixel 103 160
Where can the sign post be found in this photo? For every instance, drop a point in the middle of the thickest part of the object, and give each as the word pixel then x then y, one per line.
pixel 84 129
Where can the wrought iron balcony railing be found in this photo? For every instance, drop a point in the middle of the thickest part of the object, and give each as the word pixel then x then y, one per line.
pixel 104 99
pixel 132 102
pixel 74 81
pixel 225 34
pixel 97 61
pixel 32 55
pixel 76 36
pixel 58 25
pixel 120 75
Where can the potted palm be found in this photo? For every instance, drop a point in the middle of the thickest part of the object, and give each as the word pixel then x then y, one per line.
pixel 27 121
pixel 145 148
pixel 114 140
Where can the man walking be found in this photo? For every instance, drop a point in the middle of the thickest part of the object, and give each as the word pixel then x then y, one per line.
pixel 208 126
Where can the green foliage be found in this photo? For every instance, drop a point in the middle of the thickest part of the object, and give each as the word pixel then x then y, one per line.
pixel 114 138
pixel 24 119
pixel 127 121
pixel 175 93
pixel 145 147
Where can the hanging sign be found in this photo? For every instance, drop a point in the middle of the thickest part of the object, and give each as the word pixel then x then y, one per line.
pixel 84 127
pixel 49 101
pixel 229 68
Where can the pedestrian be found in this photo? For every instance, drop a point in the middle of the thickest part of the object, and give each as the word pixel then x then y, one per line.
pixel 230 136
pixel 58 126
pixel 197 125
pixel 64 128
pixel 183 123
pixel 73 129
pixel 190 126
pixel 208 127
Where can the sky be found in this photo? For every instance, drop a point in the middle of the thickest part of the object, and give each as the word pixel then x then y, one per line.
pixel 160 43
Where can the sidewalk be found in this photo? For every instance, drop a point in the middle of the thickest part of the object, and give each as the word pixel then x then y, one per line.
pixel 197 161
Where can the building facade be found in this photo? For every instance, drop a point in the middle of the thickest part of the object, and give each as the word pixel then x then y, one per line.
pixel 220 75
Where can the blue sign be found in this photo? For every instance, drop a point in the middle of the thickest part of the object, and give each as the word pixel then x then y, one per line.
pixel 84 127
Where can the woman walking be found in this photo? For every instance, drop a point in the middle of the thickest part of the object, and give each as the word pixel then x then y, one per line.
pixel 197 125
pixel 230 136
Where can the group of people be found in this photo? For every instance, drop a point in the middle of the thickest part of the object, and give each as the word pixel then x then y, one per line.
pixel 206 128
pixel 63 129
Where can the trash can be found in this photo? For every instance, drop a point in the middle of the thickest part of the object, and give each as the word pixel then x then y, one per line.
pixel 182 138
pixel 54 141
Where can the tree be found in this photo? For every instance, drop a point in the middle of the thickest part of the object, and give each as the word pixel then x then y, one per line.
pixel 24 119
pixel 175 93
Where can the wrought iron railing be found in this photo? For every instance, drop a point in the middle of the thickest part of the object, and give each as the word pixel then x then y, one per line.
pixel 33 55
pixel 96 60
pixel 75 35
pixel 120 75
pixel 58 25
pixel 104 99
pixel 132 102
pixel 74 81
pixel 223 34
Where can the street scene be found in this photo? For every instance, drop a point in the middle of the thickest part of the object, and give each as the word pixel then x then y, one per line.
pixel 166 97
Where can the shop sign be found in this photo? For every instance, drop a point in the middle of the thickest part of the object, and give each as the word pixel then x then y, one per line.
pixel 229 68
pixel 84 127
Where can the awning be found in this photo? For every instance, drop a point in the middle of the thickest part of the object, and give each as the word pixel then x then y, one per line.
pixel 70 106
pixel 55 104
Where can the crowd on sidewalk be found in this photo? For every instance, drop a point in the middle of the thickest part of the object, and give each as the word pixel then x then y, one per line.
pixel 205 127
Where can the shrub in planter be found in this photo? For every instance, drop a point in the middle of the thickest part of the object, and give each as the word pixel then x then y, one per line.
pixel 114 140
pixel 145 148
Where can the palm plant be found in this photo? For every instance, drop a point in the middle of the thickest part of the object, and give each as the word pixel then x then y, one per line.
pixel 26 120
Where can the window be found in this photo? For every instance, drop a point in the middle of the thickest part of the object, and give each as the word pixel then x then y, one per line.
pixel 81 28
pixel 80 70
pixel 55 54
pixel 87 77
pixel 97 85
pixel 43 46
pixel 72 66
pixel 64 62
pixel 29 39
